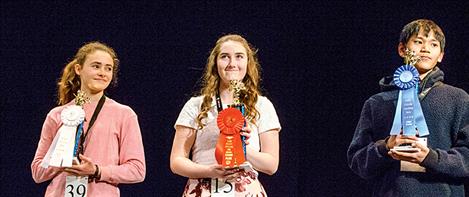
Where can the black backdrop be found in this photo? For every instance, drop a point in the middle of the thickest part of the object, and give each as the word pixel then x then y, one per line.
pixel 320 61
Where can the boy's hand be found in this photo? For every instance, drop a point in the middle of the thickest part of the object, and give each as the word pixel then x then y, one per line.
pixel 414 157
pixel 396 140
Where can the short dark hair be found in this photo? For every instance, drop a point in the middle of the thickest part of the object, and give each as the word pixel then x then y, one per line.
pixel 426 25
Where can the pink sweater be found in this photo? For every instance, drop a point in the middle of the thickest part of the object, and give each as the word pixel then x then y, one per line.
pixel 115 144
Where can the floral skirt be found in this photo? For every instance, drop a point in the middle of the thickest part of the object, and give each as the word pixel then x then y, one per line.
pixel 246 185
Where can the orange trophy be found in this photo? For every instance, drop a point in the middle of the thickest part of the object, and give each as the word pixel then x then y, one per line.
pixel 230 149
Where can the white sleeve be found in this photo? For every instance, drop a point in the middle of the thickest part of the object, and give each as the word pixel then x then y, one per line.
pixel 188 115
pixel 268 118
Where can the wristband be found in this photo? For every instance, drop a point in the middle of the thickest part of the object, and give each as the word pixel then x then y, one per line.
pixel 95 175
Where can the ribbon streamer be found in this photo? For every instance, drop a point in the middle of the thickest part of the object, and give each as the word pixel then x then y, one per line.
pixel 409 116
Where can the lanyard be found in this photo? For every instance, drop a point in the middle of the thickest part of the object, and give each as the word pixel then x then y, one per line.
pixel 81 148
pixel 219 104
pixel 423 93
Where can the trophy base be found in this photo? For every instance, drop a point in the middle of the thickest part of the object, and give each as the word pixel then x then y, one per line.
pixel 408 149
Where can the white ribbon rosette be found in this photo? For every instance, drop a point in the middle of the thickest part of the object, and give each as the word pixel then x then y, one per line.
pixel 60 153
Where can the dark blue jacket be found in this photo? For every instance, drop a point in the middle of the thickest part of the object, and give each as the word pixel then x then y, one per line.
pixel 446 111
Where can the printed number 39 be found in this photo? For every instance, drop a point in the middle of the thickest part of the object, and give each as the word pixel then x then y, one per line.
pixel 79 191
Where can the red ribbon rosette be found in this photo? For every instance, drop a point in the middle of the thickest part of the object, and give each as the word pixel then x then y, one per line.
pixel 230 121
pixel 229 150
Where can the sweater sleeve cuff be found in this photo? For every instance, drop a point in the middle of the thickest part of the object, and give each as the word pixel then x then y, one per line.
pixel 382 149
pixel 106 174
pixel 430 160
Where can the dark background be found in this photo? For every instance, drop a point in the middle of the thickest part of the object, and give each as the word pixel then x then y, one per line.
pixel 321 60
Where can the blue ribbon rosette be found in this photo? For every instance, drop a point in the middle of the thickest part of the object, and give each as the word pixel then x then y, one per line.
pixel 409 116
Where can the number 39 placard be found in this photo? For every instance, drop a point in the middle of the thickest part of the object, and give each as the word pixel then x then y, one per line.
pixel 76 186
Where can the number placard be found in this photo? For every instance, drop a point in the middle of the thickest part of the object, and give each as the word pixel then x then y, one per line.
pixel 222 189
pixel 76 186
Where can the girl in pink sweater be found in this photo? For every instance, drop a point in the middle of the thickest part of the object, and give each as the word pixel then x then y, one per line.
pixel 111 149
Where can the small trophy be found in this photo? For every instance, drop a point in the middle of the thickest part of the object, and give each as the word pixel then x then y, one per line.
pixel 238 87
pixel 63 149
pixel 410 58
pixel 409 119
pixel 231 149
pixel 409 116
pixel 80 99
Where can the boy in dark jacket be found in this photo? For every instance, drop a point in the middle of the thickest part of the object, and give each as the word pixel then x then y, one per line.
pixel 446 111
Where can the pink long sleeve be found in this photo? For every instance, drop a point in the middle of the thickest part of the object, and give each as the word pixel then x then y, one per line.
pixel 131 168
pixel 49 129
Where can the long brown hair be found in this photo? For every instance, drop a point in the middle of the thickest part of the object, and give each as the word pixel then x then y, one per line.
pixel 211 79
pixel 69 83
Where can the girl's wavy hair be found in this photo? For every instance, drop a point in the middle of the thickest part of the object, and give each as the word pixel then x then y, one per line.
pixel 69 82
pixel 211 80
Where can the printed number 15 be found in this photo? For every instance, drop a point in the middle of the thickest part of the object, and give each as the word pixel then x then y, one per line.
pixel 226 190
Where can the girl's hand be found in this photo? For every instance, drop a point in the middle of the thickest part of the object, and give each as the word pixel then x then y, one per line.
pixel 85 168
pixel 218 171
pixel 246 132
